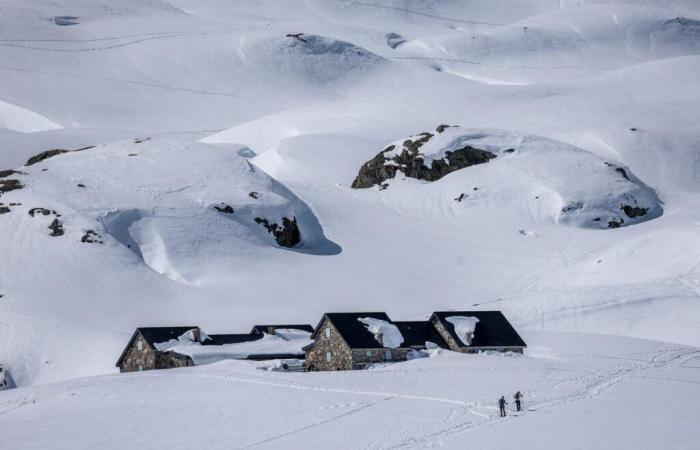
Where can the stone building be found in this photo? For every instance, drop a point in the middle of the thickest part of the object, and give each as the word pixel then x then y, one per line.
pixel 491 332
pixel 141 353
pixel 343 342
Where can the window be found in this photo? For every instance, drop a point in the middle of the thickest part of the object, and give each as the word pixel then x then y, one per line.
pixel 328 356
pixel 368 353
pixel 387 355
pixel 328 332
pixel 139 345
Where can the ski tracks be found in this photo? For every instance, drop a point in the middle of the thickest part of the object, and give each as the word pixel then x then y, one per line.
pixel 594 385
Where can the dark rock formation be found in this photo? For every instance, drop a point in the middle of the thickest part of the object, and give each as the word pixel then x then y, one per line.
pixel 10 185
pixel 614 223
pixel 44 211
pixel 411 162
pixel 56 228
pixel 7 173
pixel 224 208
pixel 4 209
pixel 91 237
pixel 254 195
pixel 461 197
pixel 51 153
pixel 45 155
pixel 394 40
pixel 634 211
pixel 81 185
pixel 287 235
pixel 297 36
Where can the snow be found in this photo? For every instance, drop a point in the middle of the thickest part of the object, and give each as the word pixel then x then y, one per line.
pixel 464 327
pixel 575 388
pixel 269 344
pixel 386 333
pixel 233 106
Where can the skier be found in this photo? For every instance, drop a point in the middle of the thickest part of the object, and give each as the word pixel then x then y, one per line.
pixel 502 405
pixel 518 397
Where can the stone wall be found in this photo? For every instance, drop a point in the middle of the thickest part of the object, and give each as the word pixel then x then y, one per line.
pixel 171 360
pixel 136 359
pixel 361 358
pixel 341 355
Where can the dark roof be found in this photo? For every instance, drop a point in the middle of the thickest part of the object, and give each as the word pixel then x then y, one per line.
pixel 416 334
pixel 492 330
pixel 224 339
pixel 264 328
pixel 155 335
pixel 352 330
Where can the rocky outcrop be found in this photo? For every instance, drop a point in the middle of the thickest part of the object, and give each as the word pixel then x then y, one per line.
pixel 7 173
pixel 287 235
pixel 224 208
pixel 56 228
pixel 51 153
pixel 634 211
pixel 411 162
pixel 10 185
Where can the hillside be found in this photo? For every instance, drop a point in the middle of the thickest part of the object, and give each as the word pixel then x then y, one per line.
pixel 221 164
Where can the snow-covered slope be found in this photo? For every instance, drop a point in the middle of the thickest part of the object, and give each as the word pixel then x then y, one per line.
pixel 580 391
pixel 271 108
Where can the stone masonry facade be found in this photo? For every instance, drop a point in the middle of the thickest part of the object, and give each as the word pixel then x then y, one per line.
pixel 331 352
pixel 142 356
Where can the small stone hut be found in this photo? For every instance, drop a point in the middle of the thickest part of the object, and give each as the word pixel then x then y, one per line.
pixel 492 332
pixel 141 353
pixel 342 342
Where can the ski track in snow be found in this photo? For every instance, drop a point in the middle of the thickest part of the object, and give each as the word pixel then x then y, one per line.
pixel 594 385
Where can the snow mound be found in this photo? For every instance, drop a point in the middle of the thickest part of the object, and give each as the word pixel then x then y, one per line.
pixel 174 204
pixel 464 327
pixel 309 59
pixel 387 334
pixel 15 118
pixel 590 192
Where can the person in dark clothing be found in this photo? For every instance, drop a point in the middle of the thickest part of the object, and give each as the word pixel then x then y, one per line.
pixel 502 405
pixel 518 397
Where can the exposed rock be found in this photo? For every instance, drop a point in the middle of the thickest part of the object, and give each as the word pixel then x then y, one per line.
pixel 411 162
pixel 45 155
pixel 4 209
pixel 133 154
pixel 51 153
pixel 393 40
pixel 254 195
pixel 622 172
pixel 91 237
pixel 81 185
pixel 7 173
pixel 509 150
pixel 287 235
pixel 634 211
pixel 56 228
pixel 633 129
pixel 461 197
pixel 614 223
pixel 297 36
pixel 226 209
pixel 140 140
pixel 10 185
pixel 442 128
pixel 44 211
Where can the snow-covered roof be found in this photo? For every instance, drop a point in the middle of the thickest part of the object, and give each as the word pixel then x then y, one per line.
pixel 386 333
pixel 491 330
